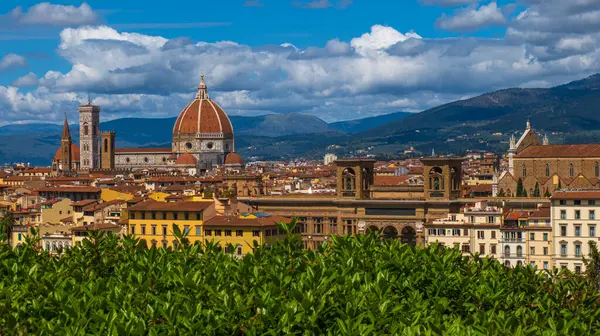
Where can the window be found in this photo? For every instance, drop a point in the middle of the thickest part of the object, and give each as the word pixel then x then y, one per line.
pixel 532 250
pixel 547 170
pixel 507 251
pixel 532 263
pixel 132 229
pixel 545 235
pixel 563 266
pixel 198 216
pixel 592 230
pixel 60 212
pixel 577 214
pixel 482 248
pixel 493 234
pixel 227 233
pixel 596 170
pixel 239 233
pixel 165 243
pixel 164 230
pixel 481 234
pixel 86 130
pixel 207 232
pixel 563 230
pixel 186 216
pixel 472 219
pixel 154 229
pixel 524 171
pixel 545 250
pixel 153 215
pixel 563 214
pixel 563 249
pixel 491 219
pixel 456 232
pixel 218 233
pixel 592 214
pixel 578 269
pixel 19 237
pixel 493 249
pixel 578 250
pixel 577 230
pixel 571 170
pixel 186 229
pixel 143 215
pixel 164 215
pixel 255 233
pixel 546 265
pixel 563 202
pixel 198 231
pixel 466 248
pixel 268 232
pixel 143 227
pixel 175 215
pixel 239 250
pixel 465 232
pixel 519 251
pixel 577 202
pixel 592 202
pixel 532 236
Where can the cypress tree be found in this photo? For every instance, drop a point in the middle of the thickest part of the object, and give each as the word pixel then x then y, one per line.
pixel 520 190
pixel 536 191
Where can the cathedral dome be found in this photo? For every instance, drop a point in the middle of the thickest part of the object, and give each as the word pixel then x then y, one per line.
pixel 234 159
pixel 186 159
pixel 74 153
pixel 202 115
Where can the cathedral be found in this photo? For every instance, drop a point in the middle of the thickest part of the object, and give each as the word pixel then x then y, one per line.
pixel 202 140
pixel 543 168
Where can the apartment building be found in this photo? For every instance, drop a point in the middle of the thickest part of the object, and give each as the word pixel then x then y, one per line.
pixel 513 241
pixel 574 225
pixel 539 239
pixel 475 230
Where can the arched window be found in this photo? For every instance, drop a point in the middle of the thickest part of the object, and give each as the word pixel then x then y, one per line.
pixel 509 193
pixel 47 246
pixel 507 263
pixel 519 251
pixel 596 170
pixel 349 179
pixel 86 130
pixel 507 251
pixel 106 145
pixel 571 170
pixel 547 170
pixel 524 171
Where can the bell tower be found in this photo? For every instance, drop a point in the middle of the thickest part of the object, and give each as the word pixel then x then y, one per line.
pixel 442 177
pixel 108 150
pixel 65 148
pixel 89 136
pixel 354 177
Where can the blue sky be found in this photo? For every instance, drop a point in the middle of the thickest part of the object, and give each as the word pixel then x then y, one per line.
pixel 336 59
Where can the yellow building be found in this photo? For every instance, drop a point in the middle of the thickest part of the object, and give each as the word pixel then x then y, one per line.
pixel 54 210
pixel 152 221
pixel 79 233
pixel 539 239
pixel 159 196
pixel 109 194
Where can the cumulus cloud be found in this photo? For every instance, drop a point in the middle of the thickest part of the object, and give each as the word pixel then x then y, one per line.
pixel 313 4
pixel 473 18
pixel 12 61
pixel 51 15
pixel 29 79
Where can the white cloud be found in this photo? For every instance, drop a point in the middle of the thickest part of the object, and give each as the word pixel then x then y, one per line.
pixel 12 61
pixel 29 79
pixel 380 37
pixel 473 18
pixel 55 15
pixel 447 3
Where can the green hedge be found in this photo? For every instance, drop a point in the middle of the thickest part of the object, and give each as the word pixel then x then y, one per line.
pixel 353 286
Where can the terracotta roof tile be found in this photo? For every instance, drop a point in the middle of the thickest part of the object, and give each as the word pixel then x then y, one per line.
pixel 576 194
pixel 151 205
pixel 142 150
pixel 560 151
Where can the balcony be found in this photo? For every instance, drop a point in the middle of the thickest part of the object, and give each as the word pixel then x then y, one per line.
pixel 512 240
pixel 348 194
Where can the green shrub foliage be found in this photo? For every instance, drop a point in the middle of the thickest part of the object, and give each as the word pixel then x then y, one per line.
pixel 351 286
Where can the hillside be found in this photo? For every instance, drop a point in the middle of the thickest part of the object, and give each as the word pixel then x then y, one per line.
pixel 360 125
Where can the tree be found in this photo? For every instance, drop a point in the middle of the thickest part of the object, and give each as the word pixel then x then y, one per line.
pixel 7 224
pixel 536 191
pixel 520 189
pixel 592 266
pixel 559 186
pixel 547 193
pixel 501 193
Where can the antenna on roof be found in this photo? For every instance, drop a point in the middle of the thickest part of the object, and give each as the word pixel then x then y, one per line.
pixel 89 99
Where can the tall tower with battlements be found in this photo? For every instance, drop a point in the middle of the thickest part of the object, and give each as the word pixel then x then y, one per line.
pixel 89 136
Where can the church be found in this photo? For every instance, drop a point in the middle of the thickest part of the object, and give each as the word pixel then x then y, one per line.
pixel 544 168
pixel 202 140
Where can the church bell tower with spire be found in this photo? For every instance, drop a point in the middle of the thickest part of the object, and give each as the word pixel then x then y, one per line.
pixel 89 136
pixel 65 148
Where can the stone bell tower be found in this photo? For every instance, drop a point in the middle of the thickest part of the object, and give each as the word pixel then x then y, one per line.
pixel 89 136
pixel 354 177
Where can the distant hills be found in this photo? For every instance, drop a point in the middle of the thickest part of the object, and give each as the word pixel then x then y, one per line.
pixel 568 113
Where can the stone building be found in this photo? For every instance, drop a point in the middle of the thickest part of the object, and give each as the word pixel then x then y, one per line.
pixel 202 140
pixel 546 167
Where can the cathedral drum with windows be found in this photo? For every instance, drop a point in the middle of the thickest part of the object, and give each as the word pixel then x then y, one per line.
pixel 202 140
pixel 543 168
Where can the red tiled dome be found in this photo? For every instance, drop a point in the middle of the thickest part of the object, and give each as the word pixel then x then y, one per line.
pixel 186 159
pixel 74 153
pixel 202 115
pixel 234 159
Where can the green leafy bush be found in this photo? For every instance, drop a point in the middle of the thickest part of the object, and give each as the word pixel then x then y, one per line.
pixel 352 286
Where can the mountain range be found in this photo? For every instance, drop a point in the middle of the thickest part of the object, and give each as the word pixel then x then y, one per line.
pixel 567 113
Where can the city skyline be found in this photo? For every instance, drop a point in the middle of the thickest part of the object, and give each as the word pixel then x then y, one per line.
pixel 337 60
